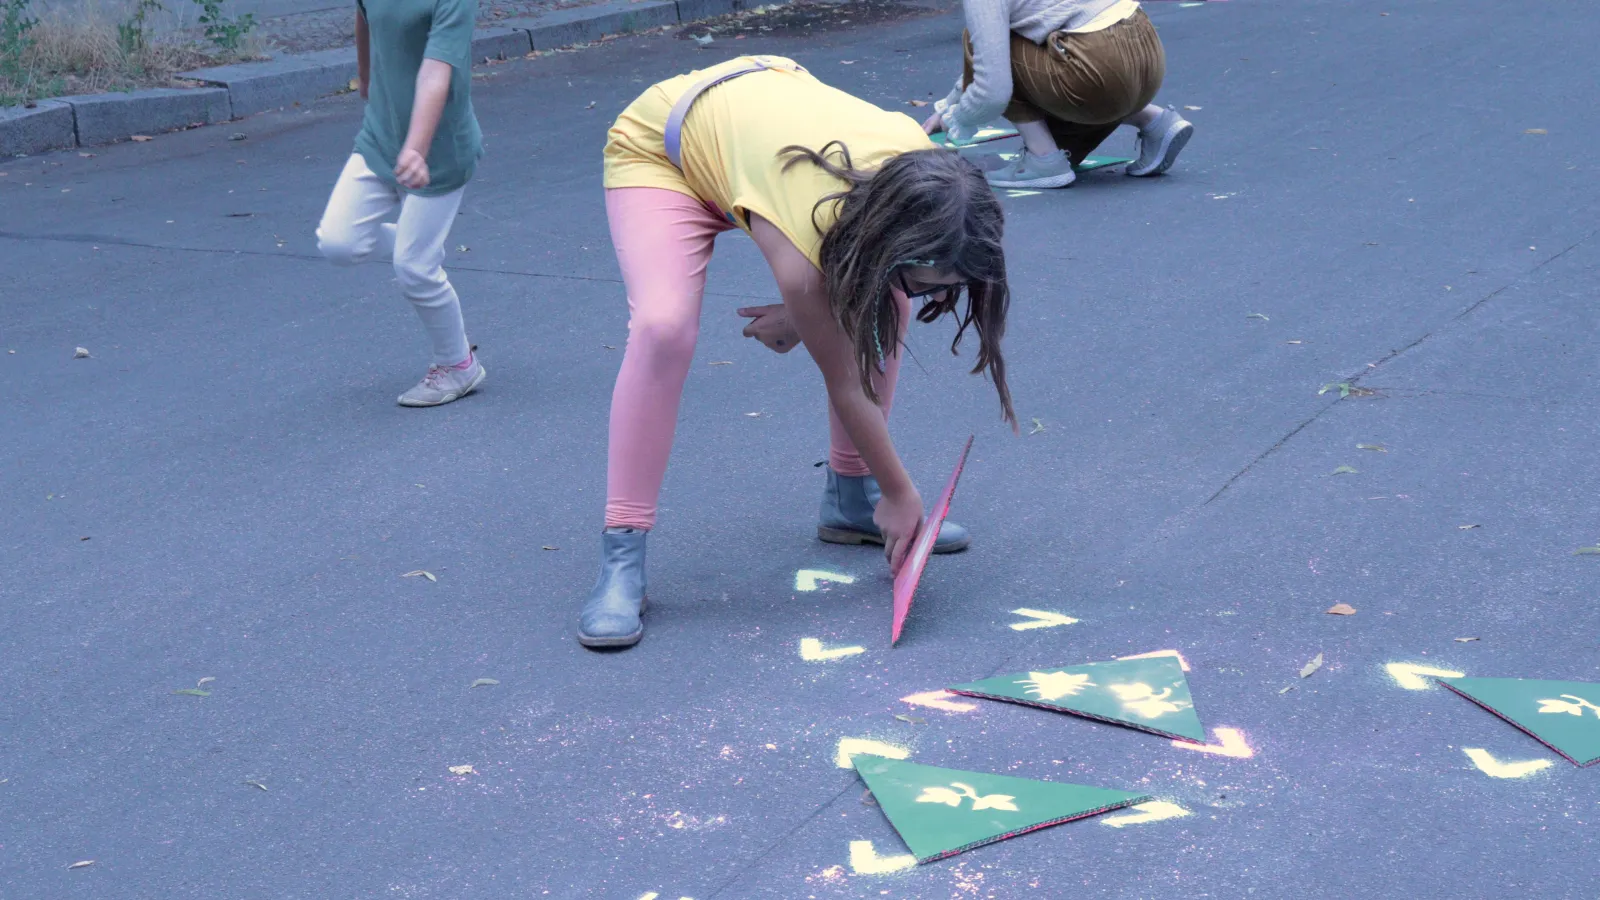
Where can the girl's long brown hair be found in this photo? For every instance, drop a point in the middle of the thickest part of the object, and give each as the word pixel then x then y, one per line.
pixel 923 208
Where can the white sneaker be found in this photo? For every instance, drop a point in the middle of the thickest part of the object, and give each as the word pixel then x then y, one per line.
pixel 1160 142
pixel 443 384
pixel 1029 171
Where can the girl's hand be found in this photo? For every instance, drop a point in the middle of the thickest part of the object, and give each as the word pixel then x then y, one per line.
pixel 770 325
pixel 412 170
pixel 898 518
pixel 934 124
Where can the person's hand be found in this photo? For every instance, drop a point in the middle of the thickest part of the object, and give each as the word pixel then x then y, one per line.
pixel 770 325
pixel 898 518
pixel 934 124
pixel 412 170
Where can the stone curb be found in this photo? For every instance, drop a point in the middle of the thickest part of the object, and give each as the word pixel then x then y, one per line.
pixel 244 89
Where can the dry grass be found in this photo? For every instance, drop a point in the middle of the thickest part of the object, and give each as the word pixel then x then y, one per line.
pixel 78 52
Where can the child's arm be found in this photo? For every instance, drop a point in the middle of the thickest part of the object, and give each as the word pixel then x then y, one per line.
pixel 899 513
pixel 363 51
pixel 433 88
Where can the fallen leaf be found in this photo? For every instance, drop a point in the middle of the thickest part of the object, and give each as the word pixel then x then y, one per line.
pixel 1535 131
pixel 1345 470
pixel 81 864
pixel 206 680
pixel 462 248
pixel 355 84
pixel 548 547
pixel 193 692
pixel 79 353
pixel 867 799
pixel 1191 107
pixel 1341 609
pixel 484 682
pixel 253 783
pixel 1038 426
pixel 463 770
pixel 237 136
pixel 83 539
pixel 848 62
pixel 1288 689
pixel 1379 448
pixel 140 138
pixel 1311 667
pixel 1586 551
pixel 608 346
pixel 1465 640
pixel 1258 316
pixel 87 155
pixel 239 215
pixel 754 415
pixel 1343 386
pixel 911 719
pixel 423 572
pixel 1468 527
pixel 917 102
pixel 721 362
pixel 1294 342
pixel 590 106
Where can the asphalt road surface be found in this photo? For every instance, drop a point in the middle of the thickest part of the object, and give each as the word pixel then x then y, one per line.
pixel 225 490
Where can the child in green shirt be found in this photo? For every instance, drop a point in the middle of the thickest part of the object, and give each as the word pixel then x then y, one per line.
pixel 418 146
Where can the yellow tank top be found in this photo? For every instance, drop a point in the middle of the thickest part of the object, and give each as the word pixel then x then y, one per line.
pixel 731 142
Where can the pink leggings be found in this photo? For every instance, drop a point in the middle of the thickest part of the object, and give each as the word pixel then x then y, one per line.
pixel 663 240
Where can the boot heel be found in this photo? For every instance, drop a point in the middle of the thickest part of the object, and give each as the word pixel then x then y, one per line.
pixel 843 536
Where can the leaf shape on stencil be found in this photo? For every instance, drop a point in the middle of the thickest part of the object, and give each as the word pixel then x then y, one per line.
pixel 1055 685
pixel 939 795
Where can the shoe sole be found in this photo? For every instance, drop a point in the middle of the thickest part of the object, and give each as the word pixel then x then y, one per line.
pixel 1053 181
pixel 1171 146
pixel 856 538
pixel 627 640
pixel 450 398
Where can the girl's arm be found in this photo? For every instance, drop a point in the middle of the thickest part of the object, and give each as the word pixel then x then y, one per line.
pixel 433 89
pixel 899 514
pixel 363 51
pixel 989 29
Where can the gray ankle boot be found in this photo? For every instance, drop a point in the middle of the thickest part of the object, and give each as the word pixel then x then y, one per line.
pixel 847 507
pixel 610 618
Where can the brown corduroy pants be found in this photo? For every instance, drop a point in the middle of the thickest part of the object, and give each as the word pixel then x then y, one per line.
pixel 1083 85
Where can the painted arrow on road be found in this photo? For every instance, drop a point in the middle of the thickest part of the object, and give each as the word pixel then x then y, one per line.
pixel 939 700
pixel 811 650
pixel 849 747
pixel 1154 811
pixel 1494 768
pixel 1042 619
pixel 1409 675
pixel 864 860
pixel 1229 743
pixel 811 579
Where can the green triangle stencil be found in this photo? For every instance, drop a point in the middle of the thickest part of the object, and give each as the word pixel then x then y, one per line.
pixel 941 812
pixel 1562 715
pixel 1148 694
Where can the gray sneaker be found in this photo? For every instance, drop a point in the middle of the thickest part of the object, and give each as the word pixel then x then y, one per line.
pixel 1159 144
pixel 443 384
pixel 1029 171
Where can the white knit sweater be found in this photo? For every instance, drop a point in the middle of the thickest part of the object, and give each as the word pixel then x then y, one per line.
pixel 990 23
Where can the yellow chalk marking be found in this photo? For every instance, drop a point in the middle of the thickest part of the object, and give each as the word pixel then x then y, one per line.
pixel 811 650
pixel 1042 619
pixel 849 747
pixel 1494 768
pixel 938 700
pixel 1182 663
pixel 1229 743
pixel 1409 675
pixel 864 860
pixel 810 579
pixel 1154 811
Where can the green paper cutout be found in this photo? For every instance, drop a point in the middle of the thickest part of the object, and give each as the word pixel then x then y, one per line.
pixel 982 136
pixel 1091 163
pixel 1148 694
pixel 1562 715
pixel 941 812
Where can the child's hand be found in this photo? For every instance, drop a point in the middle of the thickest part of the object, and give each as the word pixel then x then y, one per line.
pixel 412 170
pixel 899 519
pixel 934 124
pixel 770 325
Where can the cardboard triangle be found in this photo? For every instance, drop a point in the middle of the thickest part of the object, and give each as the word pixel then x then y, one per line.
pixel 982 136
pixel 1148 694
pixel 905 584
pixel 1099 162
pixel 941 812
pixel 1562 715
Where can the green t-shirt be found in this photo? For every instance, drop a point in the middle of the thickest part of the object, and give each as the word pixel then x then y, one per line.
pixel 402 34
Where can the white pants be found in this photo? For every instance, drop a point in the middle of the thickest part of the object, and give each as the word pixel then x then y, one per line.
pixel 353 231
